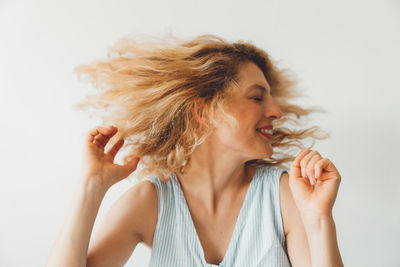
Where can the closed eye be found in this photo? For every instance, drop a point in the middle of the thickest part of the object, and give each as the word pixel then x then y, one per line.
pixel 258 99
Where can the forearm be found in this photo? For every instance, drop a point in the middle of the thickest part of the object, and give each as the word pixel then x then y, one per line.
pixel 71 246
pixel 321 234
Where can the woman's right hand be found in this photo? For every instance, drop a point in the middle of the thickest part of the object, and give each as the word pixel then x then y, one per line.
pixel 99 167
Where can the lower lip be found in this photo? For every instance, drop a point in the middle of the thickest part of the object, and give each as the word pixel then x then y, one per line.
pixel 266 135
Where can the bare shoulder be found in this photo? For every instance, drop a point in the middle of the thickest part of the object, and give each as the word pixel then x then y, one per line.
pixel 142 201
pixel 131 219
pixel 139 204
pixel 296 238
pixel 285 201
pixel 290 214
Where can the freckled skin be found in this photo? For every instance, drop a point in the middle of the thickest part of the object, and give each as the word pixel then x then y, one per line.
pixel 250 115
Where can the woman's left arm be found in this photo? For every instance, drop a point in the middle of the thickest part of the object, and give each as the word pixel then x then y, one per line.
pixel 314 183
pixel 321 235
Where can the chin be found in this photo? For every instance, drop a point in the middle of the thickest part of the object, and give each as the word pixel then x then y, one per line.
pixel 267 153
pixel 263 154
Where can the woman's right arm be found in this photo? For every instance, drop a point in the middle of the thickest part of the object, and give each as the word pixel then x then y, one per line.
pixel 99 173
pixel 71 245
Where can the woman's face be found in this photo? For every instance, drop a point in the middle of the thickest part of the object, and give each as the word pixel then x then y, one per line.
pixel 253 107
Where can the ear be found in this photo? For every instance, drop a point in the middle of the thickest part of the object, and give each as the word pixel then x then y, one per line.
pixel 197 110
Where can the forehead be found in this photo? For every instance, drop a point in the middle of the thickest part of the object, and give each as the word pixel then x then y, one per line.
pixel 251 78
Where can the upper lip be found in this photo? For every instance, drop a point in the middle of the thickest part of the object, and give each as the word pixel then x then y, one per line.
pixel 270 127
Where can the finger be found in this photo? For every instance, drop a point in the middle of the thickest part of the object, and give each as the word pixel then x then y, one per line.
pixel 305 160
pixel 318 168
pixel 131 166
pixel 115 148
pixel 90 136
pixel 325 165
pixel 295 166
pixel 98 144
pixel 300 156
pixel 105 134
pixel 103 140
pixel 310 167
pixel 110 130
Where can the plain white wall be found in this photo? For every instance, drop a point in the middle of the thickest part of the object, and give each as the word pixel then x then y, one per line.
pixel 345 54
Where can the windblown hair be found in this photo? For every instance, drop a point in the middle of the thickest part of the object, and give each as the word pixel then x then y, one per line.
pixel 148 90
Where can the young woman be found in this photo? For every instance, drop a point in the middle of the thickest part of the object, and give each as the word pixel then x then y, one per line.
pixel 204 118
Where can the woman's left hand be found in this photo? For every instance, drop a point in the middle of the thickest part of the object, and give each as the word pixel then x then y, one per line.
pixel 314 182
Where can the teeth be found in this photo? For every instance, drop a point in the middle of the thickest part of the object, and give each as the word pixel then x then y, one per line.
pixel 270 132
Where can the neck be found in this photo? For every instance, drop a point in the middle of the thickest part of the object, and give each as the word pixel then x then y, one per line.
pixel 214 174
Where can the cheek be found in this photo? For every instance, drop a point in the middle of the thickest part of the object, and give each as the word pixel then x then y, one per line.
pixel 243 136
pixel 230 139
pixel 248 118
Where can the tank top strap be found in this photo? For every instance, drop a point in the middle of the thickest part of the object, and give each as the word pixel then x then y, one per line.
pixel 174 242
pixel 162 192
pixel 270 183
pixel 166 200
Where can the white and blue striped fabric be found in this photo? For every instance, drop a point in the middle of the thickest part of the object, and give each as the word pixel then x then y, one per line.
pixel 258 238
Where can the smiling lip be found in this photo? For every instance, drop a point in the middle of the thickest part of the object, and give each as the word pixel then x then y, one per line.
pixel 270 127
pixel 266 135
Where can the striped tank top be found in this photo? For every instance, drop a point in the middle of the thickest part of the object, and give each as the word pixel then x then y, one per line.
pixel 257 240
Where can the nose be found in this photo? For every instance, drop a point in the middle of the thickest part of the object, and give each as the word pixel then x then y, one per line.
pixel 272 109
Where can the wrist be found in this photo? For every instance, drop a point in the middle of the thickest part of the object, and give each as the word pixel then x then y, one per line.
pixel 322 240
pixel 90 185
pixel 315 223
pixel 312 216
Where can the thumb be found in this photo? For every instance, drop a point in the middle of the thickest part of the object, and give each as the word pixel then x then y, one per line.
pixel 131 165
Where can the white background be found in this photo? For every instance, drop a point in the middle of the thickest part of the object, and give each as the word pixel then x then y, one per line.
pixel 345 54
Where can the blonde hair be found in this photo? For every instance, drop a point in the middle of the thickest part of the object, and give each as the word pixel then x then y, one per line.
pixel 148 90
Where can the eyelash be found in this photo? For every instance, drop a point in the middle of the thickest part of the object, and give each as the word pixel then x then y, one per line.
pixel 259 99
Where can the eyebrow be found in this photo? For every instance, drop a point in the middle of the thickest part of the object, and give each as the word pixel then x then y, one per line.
pixel 257 86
